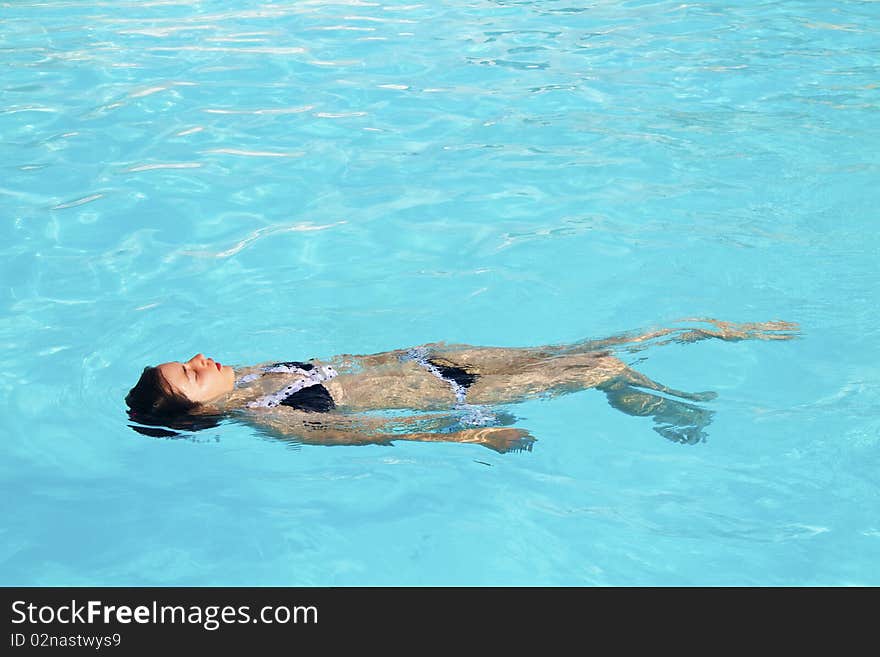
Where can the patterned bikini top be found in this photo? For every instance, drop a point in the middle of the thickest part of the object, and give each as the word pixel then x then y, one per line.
pixel 306 393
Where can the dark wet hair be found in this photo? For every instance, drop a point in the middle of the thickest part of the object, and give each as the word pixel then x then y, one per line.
pixel 153 402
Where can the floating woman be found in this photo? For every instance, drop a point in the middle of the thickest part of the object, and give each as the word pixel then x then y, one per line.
pixel 446 391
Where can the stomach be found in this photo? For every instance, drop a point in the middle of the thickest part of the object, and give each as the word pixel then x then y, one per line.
pixel 402 385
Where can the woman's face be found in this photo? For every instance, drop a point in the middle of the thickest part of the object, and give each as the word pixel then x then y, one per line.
pixel 199 379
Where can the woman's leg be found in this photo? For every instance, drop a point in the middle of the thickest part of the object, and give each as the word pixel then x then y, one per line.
pixel 510 360
pixel 533 377
pixel 639 380
pixel 674 420
pixel 728 331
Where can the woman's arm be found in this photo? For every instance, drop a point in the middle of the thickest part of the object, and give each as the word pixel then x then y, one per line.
pixel 349 363
pixel 339 429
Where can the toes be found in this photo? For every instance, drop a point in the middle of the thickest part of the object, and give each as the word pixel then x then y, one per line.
pixel 683 435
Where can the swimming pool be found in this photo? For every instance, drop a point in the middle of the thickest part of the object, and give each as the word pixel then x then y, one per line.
pixel 297 180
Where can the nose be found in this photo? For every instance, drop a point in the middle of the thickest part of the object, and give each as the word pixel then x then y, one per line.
pixel 198 359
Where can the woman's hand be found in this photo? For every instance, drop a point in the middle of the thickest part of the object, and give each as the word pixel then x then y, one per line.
pixel 506 439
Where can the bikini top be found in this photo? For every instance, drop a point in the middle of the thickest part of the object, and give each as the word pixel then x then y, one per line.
pixel 306 393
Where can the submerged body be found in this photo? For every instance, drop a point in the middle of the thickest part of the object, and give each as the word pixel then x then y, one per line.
pixel 450 388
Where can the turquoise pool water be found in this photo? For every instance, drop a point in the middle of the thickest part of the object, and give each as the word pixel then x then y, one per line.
pixel 265 181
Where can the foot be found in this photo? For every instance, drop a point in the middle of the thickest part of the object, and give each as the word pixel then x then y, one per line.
pixel 683 435
pixel 709 395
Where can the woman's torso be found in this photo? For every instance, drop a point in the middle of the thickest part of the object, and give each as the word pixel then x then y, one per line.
pixel 351 386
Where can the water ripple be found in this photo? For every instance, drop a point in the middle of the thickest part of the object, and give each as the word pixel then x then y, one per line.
pixel 166 165
pixel 235 151
pixel 260 234
pixel 267 111
pixel 78 202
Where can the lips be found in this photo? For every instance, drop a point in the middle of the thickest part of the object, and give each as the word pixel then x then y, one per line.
pixel 219 368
